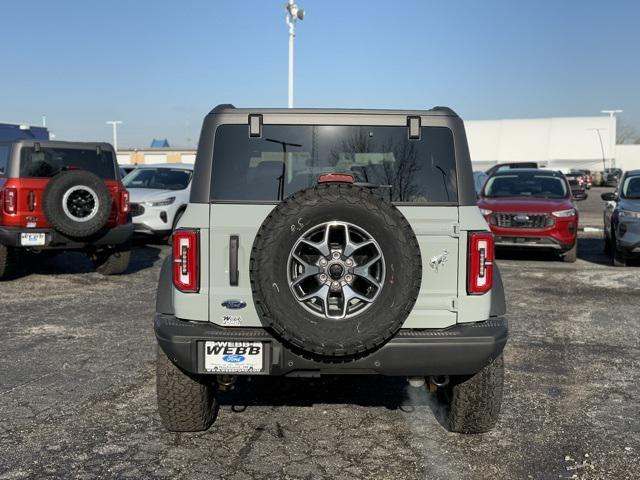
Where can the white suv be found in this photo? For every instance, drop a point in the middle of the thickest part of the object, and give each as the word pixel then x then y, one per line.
pixel 159 196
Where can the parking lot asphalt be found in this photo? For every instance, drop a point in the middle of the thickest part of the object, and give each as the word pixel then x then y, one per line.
pixel 77 395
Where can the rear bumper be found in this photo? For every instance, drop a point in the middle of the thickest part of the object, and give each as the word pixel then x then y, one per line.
pixel 462 349
pixel 10 237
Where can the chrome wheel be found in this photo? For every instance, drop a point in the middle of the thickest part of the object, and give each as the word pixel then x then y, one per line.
pixel 80 203
pixel 336 270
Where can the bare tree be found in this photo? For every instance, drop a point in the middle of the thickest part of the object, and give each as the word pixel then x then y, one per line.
pixel 626 134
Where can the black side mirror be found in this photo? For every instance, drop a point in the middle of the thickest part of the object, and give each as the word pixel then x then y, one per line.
pixel 608 196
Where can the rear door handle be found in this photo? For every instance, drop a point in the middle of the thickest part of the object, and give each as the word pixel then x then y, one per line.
pixel 234 242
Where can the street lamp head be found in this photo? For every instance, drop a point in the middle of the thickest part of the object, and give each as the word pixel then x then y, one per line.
pixel 611 112
pixel 295 13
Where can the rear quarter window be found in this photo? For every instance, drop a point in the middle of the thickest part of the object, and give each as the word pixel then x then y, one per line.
pixel 4 159
pixel 49 161
pixel 288 158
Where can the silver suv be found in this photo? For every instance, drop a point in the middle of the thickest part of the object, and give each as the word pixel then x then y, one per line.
pixel 331 242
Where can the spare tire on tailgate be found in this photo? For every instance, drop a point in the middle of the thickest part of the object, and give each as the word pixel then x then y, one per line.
pixel 77 203
pixel 335 270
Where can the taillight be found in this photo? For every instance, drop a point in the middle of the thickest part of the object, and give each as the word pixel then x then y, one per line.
pixel 480 267
pixel 10 200
pixel 124 201
pixel 186 259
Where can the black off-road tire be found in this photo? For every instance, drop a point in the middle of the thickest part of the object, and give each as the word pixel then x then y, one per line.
pixel 112 261
pixel 8 262
pixel 571 255
pixel 52 203
pixel 472 404
pixel 185 403
pixel 281 312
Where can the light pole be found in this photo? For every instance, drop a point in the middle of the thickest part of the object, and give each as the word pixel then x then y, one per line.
pixel 612 134
pixel 293 15
pixel 114 124
pixel 597 130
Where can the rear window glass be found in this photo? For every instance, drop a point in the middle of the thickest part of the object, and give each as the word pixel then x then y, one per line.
pixel 4 159
pixel 48 162
pixel 288 158
pixel 527 184
pixel 158 178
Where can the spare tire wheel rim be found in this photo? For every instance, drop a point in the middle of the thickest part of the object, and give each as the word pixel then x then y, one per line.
pixel 80 203
pixel 336 270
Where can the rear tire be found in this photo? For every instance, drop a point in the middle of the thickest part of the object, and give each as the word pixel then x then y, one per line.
pixel 7 262
pixel 617 260
pixel 472 404
pixel 112 262
pixel 571 255
pixel 186 403
pixel 607 245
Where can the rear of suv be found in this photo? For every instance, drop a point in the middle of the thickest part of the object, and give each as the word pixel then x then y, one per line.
pixel 57 196
pixel 331 242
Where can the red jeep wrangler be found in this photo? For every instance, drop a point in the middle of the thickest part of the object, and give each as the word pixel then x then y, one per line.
pixel 63 196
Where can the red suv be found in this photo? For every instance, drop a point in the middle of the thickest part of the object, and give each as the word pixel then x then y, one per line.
pixel 63 196
pixel 531 208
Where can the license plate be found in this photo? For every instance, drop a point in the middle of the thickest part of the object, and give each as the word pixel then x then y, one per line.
pixel 32 239
pixel 233 357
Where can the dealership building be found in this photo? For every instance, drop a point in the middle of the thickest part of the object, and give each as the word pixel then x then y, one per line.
pixel 560 143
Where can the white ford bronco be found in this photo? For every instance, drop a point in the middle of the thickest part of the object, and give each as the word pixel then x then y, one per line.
pixel 326 242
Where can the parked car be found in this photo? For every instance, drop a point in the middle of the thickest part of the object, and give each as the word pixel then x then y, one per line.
pixel 588 178
pixel 159 196
pixel 612 176
pixel 531 208
pixel 511 165
pixel 578 183
pixel 57 196
pixel 622 219
pixel 330 244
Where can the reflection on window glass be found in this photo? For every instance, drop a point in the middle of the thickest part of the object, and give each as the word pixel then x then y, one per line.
pixel 631 188
pixel 290 158
pixel 48 162
pixel 526 184
pixel 158 178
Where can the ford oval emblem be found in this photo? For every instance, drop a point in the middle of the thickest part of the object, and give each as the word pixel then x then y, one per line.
pixel 521 218
pixel 234 304
pixel 233 358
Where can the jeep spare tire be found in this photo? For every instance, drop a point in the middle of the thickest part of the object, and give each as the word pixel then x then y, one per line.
pixel 335 270
pixel 77 203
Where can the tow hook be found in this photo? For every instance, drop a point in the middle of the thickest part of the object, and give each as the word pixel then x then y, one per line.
pixel 226 383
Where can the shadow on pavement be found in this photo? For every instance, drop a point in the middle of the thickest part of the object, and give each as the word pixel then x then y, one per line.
pixel 392 393
pixel 65 263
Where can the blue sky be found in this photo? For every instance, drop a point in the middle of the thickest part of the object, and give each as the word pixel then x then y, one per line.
pixel 160 66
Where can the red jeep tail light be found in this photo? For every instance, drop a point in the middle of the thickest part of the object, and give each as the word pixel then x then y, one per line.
pixel 10 201
pixel 124 202
pixel 186 259
pixel 480 267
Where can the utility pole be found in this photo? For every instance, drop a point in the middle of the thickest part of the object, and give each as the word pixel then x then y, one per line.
pixel 114 124
pixel 293 15
pixel 612 134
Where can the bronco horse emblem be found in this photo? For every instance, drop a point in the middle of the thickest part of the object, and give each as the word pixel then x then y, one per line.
pixel 439 260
